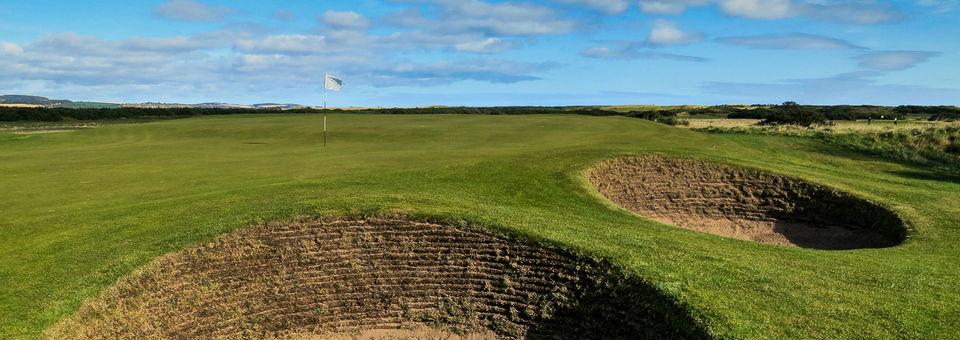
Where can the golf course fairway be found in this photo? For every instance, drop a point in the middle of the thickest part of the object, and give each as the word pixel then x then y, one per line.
pixel 80 210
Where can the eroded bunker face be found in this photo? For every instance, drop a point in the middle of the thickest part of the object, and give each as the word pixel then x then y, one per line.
pixel 746 204
pixel 379 277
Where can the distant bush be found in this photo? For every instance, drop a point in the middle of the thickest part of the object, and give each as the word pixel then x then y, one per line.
pixel 673 120
pixel 927 110
pixel 953 148
pixel 945 116
pixel 755 113
pixel 791 113
pixel 850 112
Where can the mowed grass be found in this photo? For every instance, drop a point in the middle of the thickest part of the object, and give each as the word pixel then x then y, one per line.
pixel 80 209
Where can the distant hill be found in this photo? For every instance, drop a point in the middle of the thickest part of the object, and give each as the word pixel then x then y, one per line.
pixel 15 99
pixel 278 106
pixel 26 101
pixel 32 100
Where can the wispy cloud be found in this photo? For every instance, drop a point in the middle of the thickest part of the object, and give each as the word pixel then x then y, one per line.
pixel 494 18
pixel 847 88
pixel 8 48
pixel 345 20
pixel 663 34
pixel 443 73
pixel 605 6
pixel 191 10
pixel 796 41
pixel 940 6
pixel 852 11
pixel 632 52
pixel 669 33
pixel 673 7
pixel 894 60
pixel 857 12
pixel 488 45
pixel 758 9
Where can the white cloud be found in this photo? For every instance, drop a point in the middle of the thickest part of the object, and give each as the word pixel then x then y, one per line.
pixel 345 20
pixel 664 33
pixel 285 43
pixel 487 45
pixel 211 64
pixel 497 19
pixel 850 11
pixel 758 9
pixel 796 41
pixel 167 44
pixel 668 33
pixel 191 10
pixel 10 48
pixel 606 6
pixel 894 60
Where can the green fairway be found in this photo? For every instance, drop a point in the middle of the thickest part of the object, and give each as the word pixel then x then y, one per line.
pixel 80 209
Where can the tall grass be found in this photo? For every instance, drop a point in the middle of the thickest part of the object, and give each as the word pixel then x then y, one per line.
pixel 937 145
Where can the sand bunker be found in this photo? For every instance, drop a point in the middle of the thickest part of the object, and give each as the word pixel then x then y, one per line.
pixel 377 279
pixel 746 204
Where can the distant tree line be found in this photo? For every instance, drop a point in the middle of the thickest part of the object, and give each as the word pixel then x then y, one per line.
pixel 793 113
pixel 59 114
pixel 786 113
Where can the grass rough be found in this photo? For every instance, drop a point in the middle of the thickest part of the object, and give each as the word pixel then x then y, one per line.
pixel 85 208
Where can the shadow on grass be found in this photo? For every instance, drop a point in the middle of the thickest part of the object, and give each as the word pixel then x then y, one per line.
pixel 918 170
pixel 935 175
pixel 614 306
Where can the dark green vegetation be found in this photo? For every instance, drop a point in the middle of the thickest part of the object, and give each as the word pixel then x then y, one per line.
pixel 787 113
pixel 937 146
pixel 807 115
pixel 82 209
pixel 59 114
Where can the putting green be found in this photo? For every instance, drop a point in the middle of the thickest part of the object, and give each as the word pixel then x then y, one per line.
pixel 82 209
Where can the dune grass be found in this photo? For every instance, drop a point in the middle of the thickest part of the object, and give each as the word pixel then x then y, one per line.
pixel 83 208
pixel 924 143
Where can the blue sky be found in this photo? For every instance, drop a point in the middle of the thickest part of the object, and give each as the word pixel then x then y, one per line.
pixel 485 52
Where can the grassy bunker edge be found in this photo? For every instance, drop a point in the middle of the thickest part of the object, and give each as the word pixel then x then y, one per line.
pixel 745 204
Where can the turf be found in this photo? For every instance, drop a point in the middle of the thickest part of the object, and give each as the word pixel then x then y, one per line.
pixel 80 209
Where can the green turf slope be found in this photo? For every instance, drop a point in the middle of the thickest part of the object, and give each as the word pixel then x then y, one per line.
pixel 80 209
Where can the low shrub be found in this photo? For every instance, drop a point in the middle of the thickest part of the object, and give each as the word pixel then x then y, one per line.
pixel 791 113
pixel 673 120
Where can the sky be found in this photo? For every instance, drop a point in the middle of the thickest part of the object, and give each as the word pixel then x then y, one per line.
pixel 484 52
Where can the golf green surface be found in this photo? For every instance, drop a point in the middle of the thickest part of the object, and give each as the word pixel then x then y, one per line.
pixel 80 209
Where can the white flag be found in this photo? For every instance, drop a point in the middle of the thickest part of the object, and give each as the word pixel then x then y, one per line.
pixel 331 83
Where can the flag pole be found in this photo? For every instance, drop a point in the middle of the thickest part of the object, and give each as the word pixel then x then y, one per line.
pixel 324 111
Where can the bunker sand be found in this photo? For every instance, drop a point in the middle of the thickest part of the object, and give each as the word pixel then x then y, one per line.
pixel 746 204
pixel 378 278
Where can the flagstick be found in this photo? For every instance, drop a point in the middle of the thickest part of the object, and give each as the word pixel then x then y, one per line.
pixel 324 114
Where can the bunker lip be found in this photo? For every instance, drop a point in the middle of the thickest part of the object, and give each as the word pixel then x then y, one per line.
pixel 370 276
pixel 746 204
